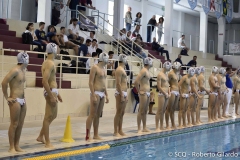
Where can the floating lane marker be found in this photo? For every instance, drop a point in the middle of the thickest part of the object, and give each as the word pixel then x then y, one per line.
pixel 70 153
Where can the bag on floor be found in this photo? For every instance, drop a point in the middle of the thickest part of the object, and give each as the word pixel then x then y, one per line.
pixel 65 68
pixel 27 38
pixel 65 57
pixel 184 52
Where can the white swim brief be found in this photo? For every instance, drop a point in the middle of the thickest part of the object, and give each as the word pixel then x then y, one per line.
pixel 184 95
pixel 100 94
pixel 21 101
pixel 54 90
pixel 215 93
pixel 202 92
pixel 124 93
pixel 175 92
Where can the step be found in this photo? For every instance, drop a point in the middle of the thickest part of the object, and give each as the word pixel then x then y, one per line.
pixel 12 39
pixel 65 84
pixel 3 21
pixel 18 46
pixel 4 27
pixel 14 53
pixel 7 33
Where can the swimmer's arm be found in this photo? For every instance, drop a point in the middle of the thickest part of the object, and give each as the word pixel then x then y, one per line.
pixel 159 85
pixel 180 84
pixel 201 86
pixel 118 76
pixel 234 83
pixel 91 78
pixel 193 87
pixel 46 75
pixel 139 77
pixel 6 80
pixel 215 85
pixel 233 73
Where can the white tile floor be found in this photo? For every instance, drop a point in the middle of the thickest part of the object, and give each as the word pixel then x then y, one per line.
pixel 31 130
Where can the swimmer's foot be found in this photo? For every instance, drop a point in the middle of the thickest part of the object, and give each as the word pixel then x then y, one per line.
pixel 116 134
pixel 174 127
pixel 139 131
pixel 97 137
pixel 18 149
pixel 12 150
pixel 49 145
pixel 121 133
pixel 158 130
pixel 145 130
pixel 41 140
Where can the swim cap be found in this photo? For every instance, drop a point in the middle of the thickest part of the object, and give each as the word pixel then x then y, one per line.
pixel 222 70
pixel 191 71
pixel 23 57
pixel 202 68
pixel 51 48
pixel 148 61
pixel 214 69
pixel 176 65
pixel 103 57
pixel 197 70
pixel 167 65
pixel 122 58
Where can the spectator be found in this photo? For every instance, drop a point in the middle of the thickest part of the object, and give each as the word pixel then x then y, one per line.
pixel 193 63
pixel 152 23
pixel 30 29
pixel 74 31
pixel 137 21
pixel 137 50
pixel 127 69
pixel 55 38
pixel 110 65
pixel 93 61
pixel 92 35
pixel 160 27
pixel 179 59
pixel 57 6
pixel 41 35
pixel 83 50
pixel 157 47
pixel 87 3
pixel 128 19
pixel 68 43
pixel 93 47
pixel 141 40
pixel 136 31
pixel 181 43
pixel 122 40
pixel 73 5
pixel 128 38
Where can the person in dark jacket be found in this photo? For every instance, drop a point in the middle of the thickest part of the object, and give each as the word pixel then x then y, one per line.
pixel 150 29
pixel 193 63
pixel 179 59
pixel 157 47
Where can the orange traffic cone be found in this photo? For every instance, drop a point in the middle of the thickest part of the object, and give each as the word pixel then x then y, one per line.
pixel 68 132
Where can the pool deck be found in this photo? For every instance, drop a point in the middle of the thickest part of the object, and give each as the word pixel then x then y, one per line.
pixel 31 130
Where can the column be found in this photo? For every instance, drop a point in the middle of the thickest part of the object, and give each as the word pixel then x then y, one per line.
pixel 6 8
pixel 221 35
pixel 144 19
pixel 118 16
pixel 203 32
pixel 168 24
pixel 44 11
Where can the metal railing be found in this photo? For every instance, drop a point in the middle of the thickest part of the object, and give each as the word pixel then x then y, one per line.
pixel 78 79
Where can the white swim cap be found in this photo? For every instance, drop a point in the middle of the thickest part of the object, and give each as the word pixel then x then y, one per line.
pixel 176 65
pixel 167 65
pixel 202 68
pixel 191 71
pixel 148 61
pixel 222 70
pixel 122 58
pixel 197 70
pixel 51 48
pixel 214 69
pixel 103 57
pixel 23 57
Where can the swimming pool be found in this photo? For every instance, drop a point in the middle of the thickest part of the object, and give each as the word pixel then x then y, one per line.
pixel 219 140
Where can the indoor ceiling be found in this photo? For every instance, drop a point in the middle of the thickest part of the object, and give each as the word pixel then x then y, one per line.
pixel 183 6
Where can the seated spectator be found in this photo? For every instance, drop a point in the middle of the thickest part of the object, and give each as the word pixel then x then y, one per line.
pixel 141 40
pixel 93 47
pixel 41 35
pixel 179 59
pixel 92 35
pixel 83 50
pixel 110 65
pixel 73 30
pixel 136 31
pixel 129 42
pixel 181 43
pixel 157 47
pixel 53 37
pixel 193 63
pixel 91 62
pixel 87 3
pixel 122 40
pixel 30 29
pixel 137 50
pixel 68 43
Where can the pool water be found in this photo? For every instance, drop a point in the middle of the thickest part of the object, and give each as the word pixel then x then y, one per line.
pixel 222 142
